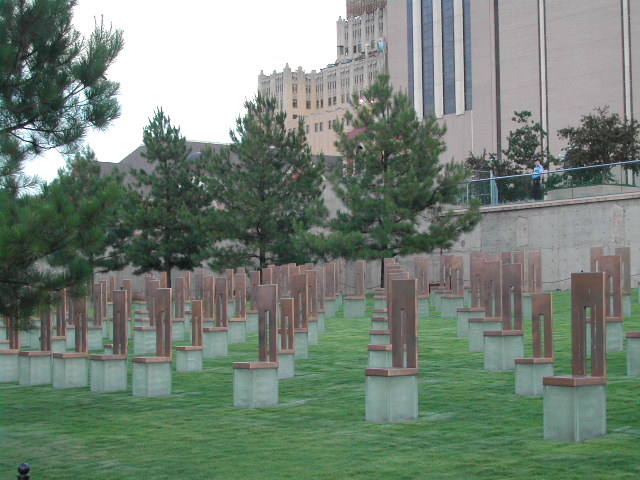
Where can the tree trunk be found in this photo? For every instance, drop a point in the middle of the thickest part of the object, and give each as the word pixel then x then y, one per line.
pixel 263 259
pixel 168 272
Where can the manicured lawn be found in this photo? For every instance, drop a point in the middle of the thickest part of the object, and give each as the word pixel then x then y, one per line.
pixel 471 424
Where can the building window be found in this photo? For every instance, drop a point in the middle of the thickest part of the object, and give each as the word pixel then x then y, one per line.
pixel 295 103
pixel 428 103
pixel 321 102
pixel 306 129
pixel 334 99
pixel 315 127
pixel 467 55
pixel 308 104
pixel 321 126
pixel 294 116
pixel 448 57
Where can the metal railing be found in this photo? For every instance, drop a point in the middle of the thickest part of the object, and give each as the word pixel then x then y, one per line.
pixel 579 182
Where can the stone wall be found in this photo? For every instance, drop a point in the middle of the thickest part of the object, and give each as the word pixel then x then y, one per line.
pixel 563 230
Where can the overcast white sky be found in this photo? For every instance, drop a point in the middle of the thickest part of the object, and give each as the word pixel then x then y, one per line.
pixel 199 60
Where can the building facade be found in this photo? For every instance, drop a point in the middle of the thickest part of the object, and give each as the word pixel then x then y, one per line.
pixel 472 64
pixel 322 97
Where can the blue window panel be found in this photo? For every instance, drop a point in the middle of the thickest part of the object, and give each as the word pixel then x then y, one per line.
pixel 448 57
pixel 410 47
pixel 427 57
pixel 468 86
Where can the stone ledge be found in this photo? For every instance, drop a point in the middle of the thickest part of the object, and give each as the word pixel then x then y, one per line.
pixel 390 372
pixel 380 348
pixel 574 381
pixel 614 197
pixel 34 353
pixel 533 360
pixel 503 333
pixel 151 359
pixel 188 348
pixel 255 365
pixel 104 357
pixel 70 355
pixel 215 329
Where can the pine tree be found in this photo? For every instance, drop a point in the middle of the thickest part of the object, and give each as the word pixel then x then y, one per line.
pixel 170 204
pixel 53 88
pixel 601 138
pixel 269 190
pixel 395 192
pixel 81 179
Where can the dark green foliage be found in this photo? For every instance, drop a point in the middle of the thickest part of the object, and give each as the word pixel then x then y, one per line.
pixel 81 180
pixel 601 138
pixel 52 81
pixel 506 190
pixel 394 189
pixel 64 226
pixel 525 145
pixel 170 204
pixel 270 191
pixel 53 88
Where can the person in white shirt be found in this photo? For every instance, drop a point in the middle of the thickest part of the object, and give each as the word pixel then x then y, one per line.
pixel 537 171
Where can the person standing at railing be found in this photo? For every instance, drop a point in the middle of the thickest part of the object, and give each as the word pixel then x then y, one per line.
pixel 535 176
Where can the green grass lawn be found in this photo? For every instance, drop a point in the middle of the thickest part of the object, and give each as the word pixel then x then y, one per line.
pixel 471 424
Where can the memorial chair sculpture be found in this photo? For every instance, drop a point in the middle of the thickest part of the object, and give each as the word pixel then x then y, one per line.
pixel 625 257
pixel 475 310
pixel 444 281
pixel 533 279
pixel 189 358
pixel 330 302
pixel 380 346
pixel 71 369
pixel 453 300
pixel 152 375
pixel 215 331
pixel 252 313
pixel 300 295
pixel 354 305
pixel 575 406
pixel 421 274
pixel 144 331
pixel 179 312
pixel 312 298
pixel 255 384
pixel 502 347
pixel 391 394
pixel 611 265
pixel 320 272
pixel 35 366
pixel 530 371
pixel 238 320
pixel 491 298
pixel 109 371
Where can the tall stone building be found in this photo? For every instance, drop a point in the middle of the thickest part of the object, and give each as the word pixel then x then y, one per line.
pixel 473 63
pixel 322 97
